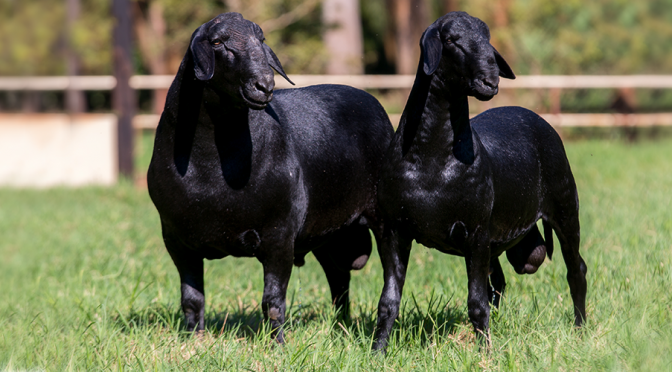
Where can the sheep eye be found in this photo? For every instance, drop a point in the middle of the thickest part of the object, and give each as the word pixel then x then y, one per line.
pixel 452 39
pixel 216 42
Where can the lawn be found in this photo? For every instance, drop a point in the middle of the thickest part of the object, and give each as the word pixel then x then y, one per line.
pixel 88 285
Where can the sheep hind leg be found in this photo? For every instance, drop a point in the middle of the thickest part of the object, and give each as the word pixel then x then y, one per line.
pixel 348 250
pixel 339 284
pixel 497 282
pixel 568 231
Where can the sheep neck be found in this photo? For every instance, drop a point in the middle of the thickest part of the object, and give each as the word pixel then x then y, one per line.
pixel 227 128
pixel 222 110
pixel 192 97
pixel 437 120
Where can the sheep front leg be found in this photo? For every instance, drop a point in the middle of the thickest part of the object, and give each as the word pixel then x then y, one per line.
pixel 394 252
pixel 277 270
pixel 190 267
pixel 478 265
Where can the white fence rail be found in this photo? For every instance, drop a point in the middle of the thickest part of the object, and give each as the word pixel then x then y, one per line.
pixel 58 83
pixel 150 121
pixel 358 81
pixel 551 82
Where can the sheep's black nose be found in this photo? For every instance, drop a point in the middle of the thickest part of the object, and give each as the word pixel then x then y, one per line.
pixel 265 86
pixel 490 82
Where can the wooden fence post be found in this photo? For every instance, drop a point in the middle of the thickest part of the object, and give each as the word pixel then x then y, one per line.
pixel 123 97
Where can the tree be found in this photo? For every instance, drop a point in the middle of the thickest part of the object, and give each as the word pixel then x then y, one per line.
pixel 123 96
pixel 343 36
pixel 293 28
pixel 407 20
pixel 74 99
pixel 150 30
pixel 568 37
pixel 448 6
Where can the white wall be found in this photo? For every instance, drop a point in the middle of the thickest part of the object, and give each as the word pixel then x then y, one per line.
pixel 44 150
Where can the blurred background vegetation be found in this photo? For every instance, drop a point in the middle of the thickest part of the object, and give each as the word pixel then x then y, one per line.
pixel 611 37
pixel 536 36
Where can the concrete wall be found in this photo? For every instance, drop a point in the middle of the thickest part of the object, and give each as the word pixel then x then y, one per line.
pixel 45 150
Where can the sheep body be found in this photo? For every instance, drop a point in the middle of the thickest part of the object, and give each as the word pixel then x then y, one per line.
pixel 503 181
pixel 473 188
pixel 301 145
pixel 240 170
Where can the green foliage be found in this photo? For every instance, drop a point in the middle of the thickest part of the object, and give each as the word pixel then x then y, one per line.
pixel 578 37
pixel 558 37
pixel 298 45
pixel 34 34
pixel 87 285
pixel 92 37
pixel 30 39
pixel 538 36
pixel 182 19
pixel 374 28
pixel 33 37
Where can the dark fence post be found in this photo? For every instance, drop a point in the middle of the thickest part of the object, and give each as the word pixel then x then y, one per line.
pixel 123 97
pixel 75 101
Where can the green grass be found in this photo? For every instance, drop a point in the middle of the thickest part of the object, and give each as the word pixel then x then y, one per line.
pixel 87 285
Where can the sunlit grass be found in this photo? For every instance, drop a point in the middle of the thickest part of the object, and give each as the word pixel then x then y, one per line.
pixel 87 285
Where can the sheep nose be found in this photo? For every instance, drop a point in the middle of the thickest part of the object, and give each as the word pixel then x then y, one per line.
pixel 491 82
pixel 265 85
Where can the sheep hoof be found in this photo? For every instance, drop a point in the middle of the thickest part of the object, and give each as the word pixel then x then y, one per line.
pixel 274 313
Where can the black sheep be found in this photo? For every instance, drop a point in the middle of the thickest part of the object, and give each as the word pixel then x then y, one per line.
pixel 473 188
pixel 236 174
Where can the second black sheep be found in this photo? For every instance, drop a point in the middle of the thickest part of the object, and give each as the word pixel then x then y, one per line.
pixel 473 188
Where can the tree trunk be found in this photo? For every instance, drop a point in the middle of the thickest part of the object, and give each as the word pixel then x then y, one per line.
pixel 502 40
pixel 74 99
pixel 408 19
pixel 150 28
pixel 501 13
pixel 450 6
pixel 343 37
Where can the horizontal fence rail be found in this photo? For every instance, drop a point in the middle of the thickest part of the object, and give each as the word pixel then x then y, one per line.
pixel 58 83
pixel 521 82
pixel 357 81
pixel 150 121
pixel 551 82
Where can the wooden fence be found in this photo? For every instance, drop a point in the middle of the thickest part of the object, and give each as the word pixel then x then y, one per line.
pixel 358 81
pixel 553 83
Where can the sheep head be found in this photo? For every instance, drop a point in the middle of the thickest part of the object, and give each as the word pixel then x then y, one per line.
pixel 229 54
pixel 457 48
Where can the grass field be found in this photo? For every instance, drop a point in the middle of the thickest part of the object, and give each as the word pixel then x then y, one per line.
pixel 87 285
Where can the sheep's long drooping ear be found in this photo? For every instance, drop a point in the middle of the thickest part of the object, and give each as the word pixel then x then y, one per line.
pixel 203 54
pixel 504 69
pixel 275 63
pixel 430 43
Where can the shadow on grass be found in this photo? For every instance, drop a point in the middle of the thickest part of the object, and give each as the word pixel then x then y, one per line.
pixel 246 322
pixel 417 323
pixel 424 323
